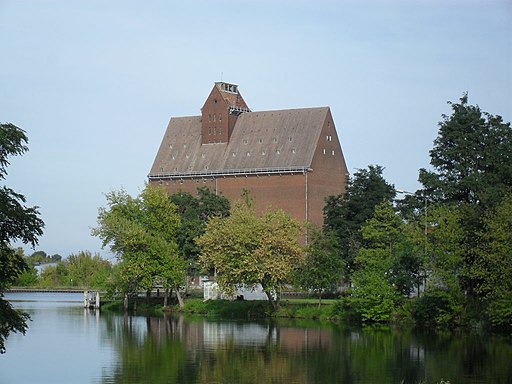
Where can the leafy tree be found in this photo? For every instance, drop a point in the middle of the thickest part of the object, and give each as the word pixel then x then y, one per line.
pixel 142 233
pixel 17 223
pixel 472 169
pixel 494 264
pixel 472 158
pixel 248 249
pixel 346 214
pixel 54 276
pixel 194 213
pixel 86 270
pixel 323 267
pixel 373 295
pixel 442 301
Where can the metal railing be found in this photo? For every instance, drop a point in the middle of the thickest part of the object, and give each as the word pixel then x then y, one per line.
pixel 228 172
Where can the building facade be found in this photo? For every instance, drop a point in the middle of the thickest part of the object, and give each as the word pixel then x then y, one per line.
pixel 290 159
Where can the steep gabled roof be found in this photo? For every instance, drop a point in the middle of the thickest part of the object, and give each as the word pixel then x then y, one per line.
pixel 260 141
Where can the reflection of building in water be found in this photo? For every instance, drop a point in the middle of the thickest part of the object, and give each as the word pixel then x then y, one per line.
pixel 245 334
pixel 302 338
pixel 211 334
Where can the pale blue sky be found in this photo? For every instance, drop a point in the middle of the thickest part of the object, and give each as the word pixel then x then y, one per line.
pixel 94 83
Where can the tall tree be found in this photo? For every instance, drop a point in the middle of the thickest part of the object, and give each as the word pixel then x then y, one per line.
pixel 346 214
pixel 17 223
pixel 494 264
pixel 472 169
pixel 323 267
pixel 374 296
pixel 142 232
pixel 194 213
pixel 471 158
pixel 248 249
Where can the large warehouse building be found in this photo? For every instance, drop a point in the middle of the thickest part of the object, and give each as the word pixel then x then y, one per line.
pixel 289 159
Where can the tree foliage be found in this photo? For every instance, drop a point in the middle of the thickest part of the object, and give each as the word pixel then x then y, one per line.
pixel 346 214
pixel 494 264
pixel 142 232
pixel 194 213
pixel 323 267
pixel 17 223
pixel 374 295
pixel 471 158
pixel 248 249
pixel 472 170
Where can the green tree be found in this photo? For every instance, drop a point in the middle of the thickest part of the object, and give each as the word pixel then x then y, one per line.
pixel 442 302
pixel 54 276
pixel 322 269
pixel 494 264
pixel 142 233
pixel 248 249
pixel 17 223
pixel 374 296
pixel 88 271
pixel 194 213
pixel 346 214
pixel 472 169
pixel 471 158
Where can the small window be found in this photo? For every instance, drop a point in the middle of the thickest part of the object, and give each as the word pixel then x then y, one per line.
pixel 278 151
pixel 333 152
pixel 161 169
pixel 233 154
pixel 220 116
pixel 203 155
pixel 293 150
pixel 248 153
pixel 170 146
pixel 245 141
pixel 290 138
pixel 184 145
pixel 324 151
pixel 263 153
pixel 274 139
pixel 260 141
pixel 209 130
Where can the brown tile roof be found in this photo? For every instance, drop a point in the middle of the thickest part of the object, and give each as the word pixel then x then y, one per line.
pixel 267 140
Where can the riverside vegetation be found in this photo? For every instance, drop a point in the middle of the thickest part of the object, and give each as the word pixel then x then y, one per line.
pixel 437 257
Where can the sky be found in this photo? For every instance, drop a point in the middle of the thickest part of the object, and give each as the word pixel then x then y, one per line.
pixel 94 83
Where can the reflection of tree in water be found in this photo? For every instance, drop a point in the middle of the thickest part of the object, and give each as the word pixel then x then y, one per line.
pixel 147 351
pixel 178 350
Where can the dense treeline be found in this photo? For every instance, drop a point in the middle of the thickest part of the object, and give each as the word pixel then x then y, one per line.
pixel 81 270
pixel 449 243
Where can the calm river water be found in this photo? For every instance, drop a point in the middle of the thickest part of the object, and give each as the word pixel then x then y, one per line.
pixel 67 344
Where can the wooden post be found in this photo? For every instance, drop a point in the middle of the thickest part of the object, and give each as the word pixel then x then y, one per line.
pixel 97 303
pixel 86 299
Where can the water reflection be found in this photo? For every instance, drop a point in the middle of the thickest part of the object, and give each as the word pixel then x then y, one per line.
pixel 174 349
pixel 66 343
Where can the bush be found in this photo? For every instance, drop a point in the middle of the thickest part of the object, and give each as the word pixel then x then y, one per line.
pixel 437 307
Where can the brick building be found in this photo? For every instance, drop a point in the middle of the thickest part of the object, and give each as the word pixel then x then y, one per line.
pixel 289 159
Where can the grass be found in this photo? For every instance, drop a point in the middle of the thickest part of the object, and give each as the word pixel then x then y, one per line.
pixel 290 308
